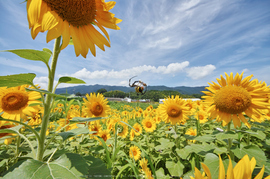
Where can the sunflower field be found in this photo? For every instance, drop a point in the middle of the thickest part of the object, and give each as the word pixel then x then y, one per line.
pixel 176 139
pixel 44 135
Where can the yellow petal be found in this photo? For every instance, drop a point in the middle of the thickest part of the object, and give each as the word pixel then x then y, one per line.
pixel 198 174
pixel 260 175
pixel 206 170
pixel 230 174
pixel 221 174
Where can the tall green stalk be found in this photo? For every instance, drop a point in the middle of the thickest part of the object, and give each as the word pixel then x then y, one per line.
pixel 48 100
pixel 230 142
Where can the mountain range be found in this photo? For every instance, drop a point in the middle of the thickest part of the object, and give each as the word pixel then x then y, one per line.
pixel 83 89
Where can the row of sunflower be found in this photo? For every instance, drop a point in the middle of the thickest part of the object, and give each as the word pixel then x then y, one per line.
pixel 179 138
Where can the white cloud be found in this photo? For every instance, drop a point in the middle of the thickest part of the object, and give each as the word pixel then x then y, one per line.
pixel 170 69
pixel 43 82
pixel 200 71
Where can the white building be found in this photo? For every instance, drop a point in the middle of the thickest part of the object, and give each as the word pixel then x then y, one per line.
pixel 193 99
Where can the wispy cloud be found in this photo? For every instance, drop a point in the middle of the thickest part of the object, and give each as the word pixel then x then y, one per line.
pixel 126 73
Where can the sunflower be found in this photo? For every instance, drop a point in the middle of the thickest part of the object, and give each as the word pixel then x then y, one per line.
pixel 234 97
pixel 201 116
pixel 242 170
pixel 96 105
pixel 143 164
pixel 138 129
pixel 192 132
pixel 15 102
pixel 174 110
pixel 8 141
pixel 135 152
pixel 105 135
pixel 122 130
pixel 74 19
pixel 131 135
pixel 95 126
pixel 149 124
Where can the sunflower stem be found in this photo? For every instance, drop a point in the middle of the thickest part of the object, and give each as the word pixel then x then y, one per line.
pixel 198 127
pixel 18 142
pixel 48 100
pixel 230 142
pixel 248 139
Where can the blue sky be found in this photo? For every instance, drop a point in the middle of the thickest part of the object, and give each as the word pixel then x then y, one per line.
pixel 163 42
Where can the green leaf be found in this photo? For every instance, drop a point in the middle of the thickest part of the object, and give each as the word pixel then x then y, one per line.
pixel 30 54
pixel 12 129
pixel 259 135
pixel 175 169
pixel 97 168
pixel 74 132
pixel 47 50
pixel 220 150
pixel 67 79
pixel 212 162
pixel 165 143
pixel 200 149
pixel 17 80
pixel 81 119
pixel 68 166
pixel 227 135
pixel 205 138
pixel 251 151
pixel 183 153
pixel 267 168
pixel 161 175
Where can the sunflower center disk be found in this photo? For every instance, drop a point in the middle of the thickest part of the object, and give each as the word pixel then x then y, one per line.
pixel 148 124
pixel 76 12
pixel 232 99
pixel 14 101
pixel 134 153
pixel 174 111
pixel 96 109
pixel 104 137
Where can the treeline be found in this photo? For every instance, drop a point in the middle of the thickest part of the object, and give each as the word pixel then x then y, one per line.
pixel 153 95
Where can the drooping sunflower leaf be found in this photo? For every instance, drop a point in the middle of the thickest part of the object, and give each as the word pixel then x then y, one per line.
pixel 74 132
pixel 12 129
pixel 67 79
pixel 31 54
pixel 81 119
pixel 67 166
pixel 17 80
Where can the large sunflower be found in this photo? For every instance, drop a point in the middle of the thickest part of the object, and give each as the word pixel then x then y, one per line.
pixel 73 18
pixel 96 105
pixel 174 110
pixel 242 170
pixel 234 97
pixel 15 102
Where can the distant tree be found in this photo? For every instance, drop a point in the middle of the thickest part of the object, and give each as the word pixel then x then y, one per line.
pixel 78 94
pixel 115 94
pixel 101 90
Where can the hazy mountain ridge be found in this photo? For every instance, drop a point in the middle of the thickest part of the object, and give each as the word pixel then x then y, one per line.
pixel 83 89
